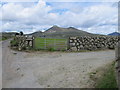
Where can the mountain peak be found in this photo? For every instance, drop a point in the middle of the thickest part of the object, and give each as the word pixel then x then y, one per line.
pixel 61 32
pixel 55 26
pixel 53 29
pixel 114 34
pixel 71 28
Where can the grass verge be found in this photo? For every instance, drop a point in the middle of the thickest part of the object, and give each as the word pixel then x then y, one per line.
pixel 105 77
pixel 1 39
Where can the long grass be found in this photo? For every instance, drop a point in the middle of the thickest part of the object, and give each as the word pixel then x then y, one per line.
pixel 108 79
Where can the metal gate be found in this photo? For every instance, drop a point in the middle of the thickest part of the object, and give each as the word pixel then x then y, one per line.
pixel 51 43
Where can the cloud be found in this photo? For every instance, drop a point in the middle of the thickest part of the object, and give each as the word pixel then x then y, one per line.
pixel 18 0
pixel 42 15
pixel 90 16
pixel 82 0
pixel 60 0
pixel 102 29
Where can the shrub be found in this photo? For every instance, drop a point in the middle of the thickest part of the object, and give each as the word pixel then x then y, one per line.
pixel 14 43
pixel 23 48
pixel 51 49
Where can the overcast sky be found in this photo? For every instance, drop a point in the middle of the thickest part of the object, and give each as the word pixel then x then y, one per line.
pixel 93 17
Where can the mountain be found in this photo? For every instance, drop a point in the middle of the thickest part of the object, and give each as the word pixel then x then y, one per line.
pixel 37 34
pixel 56 31
pixel 59 32
pixel 114 34
pixel 7 34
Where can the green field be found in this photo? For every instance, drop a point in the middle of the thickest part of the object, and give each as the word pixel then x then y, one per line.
pixel 50 43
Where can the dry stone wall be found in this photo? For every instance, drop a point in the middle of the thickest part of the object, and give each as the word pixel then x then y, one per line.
pixel 24 42
pixel 92 43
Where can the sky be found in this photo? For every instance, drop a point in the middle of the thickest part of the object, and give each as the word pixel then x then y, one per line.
pixel 94 17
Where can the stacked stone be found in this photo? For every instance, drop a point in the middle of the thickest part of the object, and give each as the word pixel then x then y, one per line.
pixel 24 42
pixel 92 43
pixel 21 41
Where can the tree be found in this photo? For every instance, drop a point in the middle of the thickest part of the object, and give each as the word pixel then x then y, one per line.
pixel 16 34
pixel 21 33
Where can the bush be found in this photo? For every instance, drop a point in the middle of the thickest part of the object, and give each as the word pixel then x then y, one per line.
pixel 51 49
pixel 4 38
pixel 24 48
pixel 14 43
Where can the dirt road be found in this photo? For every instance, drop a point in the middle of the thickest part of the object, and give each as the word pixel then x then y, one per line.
pixel 50 69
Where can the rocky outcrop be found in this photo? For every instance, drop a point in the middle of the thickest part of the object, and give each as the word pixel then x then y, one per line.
pixel 92 43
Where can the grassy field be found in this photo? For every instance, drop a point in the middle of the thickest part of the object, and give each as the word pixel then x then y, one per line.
pixel 50 43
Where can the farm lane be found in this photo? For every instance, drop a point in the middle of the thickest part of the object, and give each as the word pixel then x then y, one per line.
pixel 11 74
pixel 50 69
pixel 1 46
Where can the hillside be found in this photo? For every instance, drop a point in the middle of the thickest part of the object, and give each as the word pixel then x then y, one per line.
pixel 114 34
pixel 6 35
pixel 59 32
pixel 37 34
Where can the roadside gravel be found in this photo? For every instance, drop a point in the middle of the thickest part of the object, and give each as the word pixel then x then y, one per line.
pixel 50 69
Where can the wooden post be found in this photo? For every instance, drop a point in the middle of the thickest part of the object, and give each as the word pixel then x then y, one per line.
pixel 68 43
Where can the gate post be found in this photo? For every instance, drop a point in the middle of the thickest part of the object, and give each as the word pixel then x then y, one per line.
pixel 33 42
pixel 68 43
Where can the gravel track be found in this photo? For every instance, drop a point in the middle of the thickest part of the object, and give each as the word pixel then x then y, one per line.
pixel 50 69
